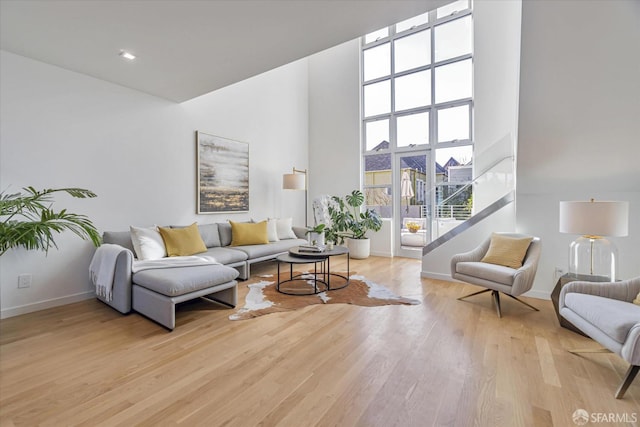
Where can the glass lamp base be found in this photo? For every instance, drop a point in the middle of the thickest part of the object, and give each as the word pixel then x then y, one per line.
pixel 593 256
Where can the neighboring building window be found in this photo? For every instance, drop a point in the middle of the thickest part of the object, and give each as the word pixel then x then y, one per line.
pixel 417 96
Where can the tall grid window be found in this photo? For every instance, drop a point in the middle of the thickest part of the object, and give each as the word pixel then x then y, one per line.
pixel 417 95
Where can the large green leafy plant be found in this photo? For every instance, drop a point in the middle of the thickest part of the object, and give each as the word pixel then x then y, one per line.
pixel 347 220
pixel 27 219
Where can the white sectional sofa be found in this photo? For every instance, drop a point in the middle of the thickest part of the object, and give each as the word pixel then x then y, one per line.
pixel 155 292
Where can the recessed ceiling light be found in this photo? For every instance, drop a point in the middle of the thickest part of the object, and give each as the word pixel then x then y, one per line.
pixel 127 55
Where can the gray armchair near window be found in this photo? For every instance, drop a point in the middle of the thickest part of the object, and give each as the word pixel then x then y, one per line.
pixel 605 312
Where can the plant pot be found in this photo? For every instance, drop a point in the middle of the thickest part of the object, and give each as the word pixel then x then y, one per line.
pixel 358 248
pixel 317 237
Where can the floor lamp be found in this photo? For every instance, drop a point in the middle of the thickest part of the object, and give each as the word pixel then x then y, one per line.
pixel 297 181
pixel 591 254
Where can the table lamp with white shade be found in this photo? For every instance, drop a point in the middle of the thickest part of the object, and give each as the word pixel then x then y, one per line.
pixel 591 253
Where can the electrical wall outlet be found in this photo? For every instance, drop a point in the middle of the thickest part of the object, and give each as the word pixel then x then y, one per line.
pixel 24 280
pixel 559 272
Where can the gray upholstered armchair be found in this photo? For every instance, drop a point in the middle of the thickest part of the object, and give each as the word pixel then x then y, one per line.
pixel 605 312
pixel 512 282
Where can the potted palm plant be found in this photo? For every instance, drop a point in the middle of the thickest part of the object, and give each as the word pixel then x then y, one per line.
pixel 350 223
pixel 27 219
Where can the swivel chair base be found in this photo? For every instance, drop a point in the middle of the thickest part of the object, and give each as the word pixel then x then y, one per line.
pixel 496 299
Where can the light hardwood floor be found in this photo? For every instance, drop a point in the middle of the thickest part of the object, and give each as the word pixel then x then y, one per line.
pixel 444 362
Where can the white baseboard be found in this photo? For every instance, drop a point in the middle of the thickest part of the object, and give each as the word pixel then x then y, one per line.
pixel 538 294
pixel 41 305
pixel 437 276
pixel 382 254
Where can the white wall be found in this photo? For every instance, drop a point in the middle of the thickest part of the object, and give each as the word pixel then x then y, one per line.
pixel 496 69
pixel 137 152
pixel 382 241
pixel 579 132
pixel 334 121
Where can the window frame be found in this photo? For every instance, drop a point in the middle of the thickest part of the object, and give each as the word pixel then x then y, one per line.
pixel 433 108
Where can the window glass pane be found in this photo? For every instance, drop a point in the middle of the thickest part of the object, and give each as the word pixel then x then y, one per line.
pixel 413 90
pixel 453 172
pixel 376 134
pixel 377 172
pixel 453 38
pixel 412 175
pixel 377 98
pixel 450 8
pixel 413 51
pixel 379 199
pixel 412 22
pixel 377 169
pixel 460 155
pixel 376 35
pixel 413 129
pixel 453 201
pixel 377 62
pixel 453 123
pixel 454 81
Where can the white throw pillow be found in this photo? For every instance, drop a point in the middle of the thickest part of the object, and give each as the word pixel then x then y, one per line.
pixel 272 230
pixel 147 243
pixel 284 230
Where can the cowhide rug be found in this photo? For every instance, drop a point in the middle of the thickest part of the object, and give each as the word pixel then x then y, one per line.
pixel 263 298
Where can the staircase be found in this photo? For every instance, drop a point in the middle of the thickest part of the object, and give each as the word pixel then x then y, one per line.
pixel 473 220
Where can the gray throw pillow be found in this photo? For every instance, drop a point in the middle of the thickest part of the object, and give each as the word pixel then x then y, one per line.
pixel 209 234
pixel 224 230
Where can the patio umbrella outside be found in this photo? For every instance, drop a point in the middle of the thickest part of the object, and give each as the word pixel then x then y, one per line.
pixel 406 188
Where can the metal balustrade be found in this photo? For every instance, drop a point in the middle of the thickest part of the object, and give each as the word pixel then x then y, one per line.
pixel 460 212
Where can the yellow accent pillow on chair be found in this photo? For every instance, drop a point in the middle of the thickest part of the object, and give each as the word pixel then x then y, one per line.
pixel 507 251
pixel 249 233
pixel 182 241
pixel 637 300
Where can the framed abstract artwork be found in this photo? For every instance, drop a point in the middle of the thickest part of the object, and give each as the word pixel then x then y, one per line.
pixel 223 174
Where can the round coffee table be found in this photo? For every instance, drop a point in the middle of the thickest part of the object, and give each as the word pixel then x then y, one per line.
pixel 322 277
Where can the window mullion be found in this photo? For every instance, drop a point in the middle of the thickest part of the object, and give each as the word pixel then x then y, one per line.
pixel 433 122
pixel 392 122
pixel 452 60
pixel 376 80
pixel 452 17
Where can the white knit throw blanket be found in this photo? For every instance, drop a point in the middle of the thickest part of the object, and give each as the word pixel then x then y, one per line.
pixel 172 262
pixel 102 269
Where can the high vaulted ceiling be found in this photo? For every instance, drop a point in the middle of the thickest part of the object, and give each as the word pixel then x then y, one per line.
pixel 186 48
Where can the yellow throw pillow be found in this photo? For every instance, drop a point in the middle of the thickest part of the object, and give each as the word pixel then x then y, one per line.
pixel 507 251
pixel 182 241
pixel 637 300
pixel 249 233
